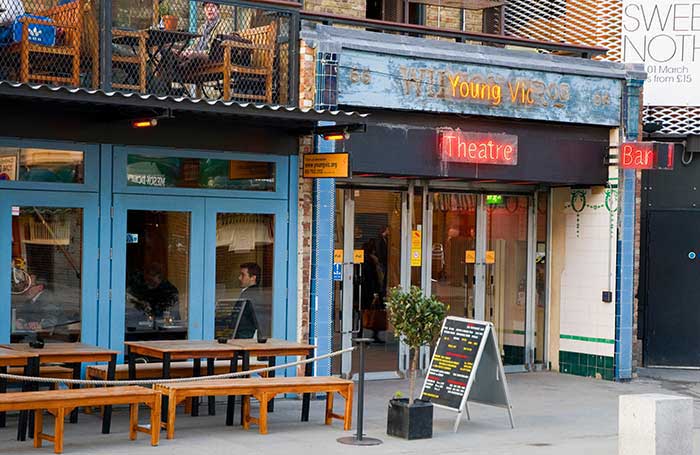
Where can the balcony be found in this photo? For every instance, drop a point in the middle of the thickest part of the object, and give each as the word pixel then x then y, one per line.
pixel 228 50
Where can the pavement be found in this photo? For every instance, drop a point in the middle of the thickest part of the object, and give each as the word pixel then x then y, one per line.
pixel 554 414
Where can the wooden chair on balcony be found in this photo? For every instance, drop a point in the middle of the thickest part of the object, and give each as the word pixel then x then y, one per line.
pixel 261 43
pixel 134 65
pixel 42 63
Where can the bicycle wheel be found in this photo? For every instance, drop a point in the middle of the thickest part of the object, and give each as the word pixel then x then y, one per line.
pixel 21 282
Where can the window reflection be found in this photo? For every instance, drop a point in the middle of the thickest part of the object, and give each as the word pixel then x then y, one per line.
pixel 46 273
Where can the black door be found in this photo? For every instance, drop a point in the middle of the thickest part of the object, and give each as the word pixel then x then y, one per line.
pixel 672 330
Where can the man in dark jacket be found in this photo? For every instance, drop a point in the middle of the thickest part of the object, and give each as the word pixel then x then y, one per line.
pixel 249 277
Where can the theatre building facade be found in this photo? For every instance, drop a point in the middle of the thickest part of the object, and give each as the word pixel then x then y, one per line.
pixel 484 178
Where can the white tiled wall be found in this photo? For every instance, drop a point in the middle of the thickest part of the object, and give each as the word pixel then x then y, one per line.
pixel 589 260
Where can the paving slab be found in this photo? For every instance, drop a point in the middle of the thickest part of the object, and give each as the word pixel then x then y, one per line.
pixel 554 414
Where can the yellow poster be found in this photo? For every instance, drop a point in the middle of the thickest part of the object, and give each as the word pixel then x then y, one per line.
pixel 470 257
pixel 338 256
pixel 416 248
pixel 358 256
pixel 490 257
pixel 323 165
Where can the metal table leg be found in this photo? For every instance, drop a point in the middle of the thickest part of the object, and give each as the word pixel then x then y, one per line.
pixel 196 372
pixel 231 400
pixel 107 419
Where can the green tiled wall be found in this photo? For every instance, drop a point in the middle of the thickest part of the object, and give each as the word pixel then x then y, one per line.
pixel 589 365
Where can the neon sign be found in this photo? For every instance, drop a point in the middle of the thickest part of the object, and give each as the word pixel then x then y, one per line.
pixel 478 148
pixel 646 155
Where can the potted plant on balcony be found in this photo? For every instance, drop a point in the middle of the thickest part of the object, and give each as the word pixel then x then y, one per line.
pixel 166 15
pixel 417 319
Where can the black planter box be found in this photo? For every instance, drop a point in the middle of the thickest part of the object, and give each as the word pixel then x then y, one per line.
pixel 410 422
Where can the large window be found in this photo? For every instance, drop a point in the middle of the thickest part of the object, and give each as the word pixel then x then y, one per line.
pixel 46 274
pixel 41 165
pixel 204 173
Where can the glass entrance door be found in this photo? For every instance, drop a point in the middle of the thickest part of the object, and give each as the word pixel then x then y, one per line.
pixel 53 240
pixel 158 263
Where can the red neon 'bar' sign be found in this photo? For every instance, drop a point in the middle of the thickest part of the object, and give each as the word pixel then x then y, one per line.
pixel 646 155
pixel 479 148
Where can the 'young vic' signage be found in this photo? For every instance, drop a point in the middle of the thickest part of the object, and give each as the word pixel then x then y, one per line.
pixel 477 148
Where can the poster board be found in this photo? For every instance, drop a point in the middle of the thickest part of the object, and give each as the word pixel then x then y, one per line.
pixel 466 366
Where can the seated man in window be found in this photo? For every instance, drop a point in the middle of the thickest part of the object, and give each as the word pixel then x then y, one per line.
pixel 153 295
pixel 250 292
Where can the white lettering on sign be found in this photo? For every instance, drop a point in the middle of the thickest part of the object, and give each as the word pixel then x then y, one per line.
pixel 148 180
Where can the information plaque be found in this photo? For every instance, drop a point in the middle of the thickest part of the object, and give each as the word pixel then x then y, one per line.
pixel 466 366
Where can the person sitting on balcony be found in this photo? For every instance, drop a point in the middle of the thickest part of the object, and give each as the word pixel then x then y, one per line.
pixel 209 30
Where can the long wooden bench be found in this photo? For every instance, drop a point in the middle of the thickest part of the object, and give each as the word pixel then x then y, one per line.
pixel 263 389
pixel 61 404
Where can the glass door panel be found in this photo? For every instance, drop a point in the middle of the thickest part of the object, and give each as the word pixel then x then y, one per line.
pixel 377 231
pixel 454 251
pixel 245 269
pixel 46 273
pixel 506 273
pixel 244 275
pixel 338 268
pixel 541 276
pixel 157 274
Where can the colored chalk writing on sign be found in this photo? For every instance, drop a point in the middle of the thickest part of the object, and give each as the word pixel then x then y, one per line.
pixel 453 362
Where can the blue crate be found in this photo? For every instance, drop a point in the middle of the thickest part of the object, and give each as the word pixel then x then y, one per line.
pixel 38 33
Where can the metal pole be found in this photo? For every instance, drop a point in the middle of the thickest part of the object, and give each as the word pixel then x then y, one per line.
pixel 359 439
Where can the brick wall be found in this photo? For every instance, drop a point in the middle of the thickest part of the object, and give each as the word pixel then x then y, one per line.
pixel 353 8
pixel 307 75
pixel 451 18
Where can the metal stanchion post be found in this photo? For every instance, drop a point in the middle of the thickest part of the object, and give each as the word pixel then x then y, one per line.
pixel 359 439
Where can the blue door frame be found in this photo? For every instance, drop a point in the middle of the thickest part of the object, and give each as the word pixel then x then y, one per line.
pixel 86 201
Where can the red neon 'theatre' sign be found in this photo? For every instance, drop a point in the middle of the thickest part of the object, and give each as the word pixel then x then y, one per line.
pixel 480 148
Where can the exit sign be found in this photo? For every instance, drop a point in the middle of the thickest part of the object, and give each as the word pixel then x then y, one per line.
pixel 646 155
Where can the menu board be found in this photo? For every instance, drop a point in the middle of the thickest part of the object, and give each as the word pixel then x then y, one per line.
pixel 228 317
pixel 454 361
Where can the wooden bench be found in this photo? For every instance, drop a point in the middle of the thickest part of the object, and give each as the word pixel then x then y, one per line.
pixel 46 371
pixel 263 389
pixel 61 404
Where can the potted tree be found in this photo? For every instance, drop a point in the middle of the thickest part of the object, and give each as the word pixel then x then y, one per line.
pixel 417 319
pixel 166 15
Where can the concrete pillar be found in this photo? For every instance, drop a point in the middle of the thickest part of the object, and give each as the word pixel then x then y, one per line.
pixel 655 424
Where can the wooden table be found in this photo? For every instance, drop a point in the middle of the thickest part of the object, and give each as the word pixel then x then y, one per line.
pixel 270 349
pixel 73 355
pixel 168 351
pixel 30 362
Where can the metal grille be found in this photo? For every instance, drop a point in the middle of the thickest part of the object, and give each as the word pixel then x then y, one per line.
pixel 201 50
pixel 589 22
pixel 52 42
pixel 676 120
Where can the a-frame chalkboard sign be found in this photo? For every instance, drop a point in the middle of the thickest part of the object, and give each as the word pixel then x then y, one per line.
pixel 466 366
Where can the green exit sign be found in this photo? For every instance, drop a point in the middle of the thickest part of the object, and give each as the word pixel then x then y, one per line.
pixel 494 199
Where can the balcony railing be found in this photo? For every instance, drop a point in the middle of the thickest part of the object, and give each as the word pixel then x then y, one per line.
pixel 453 35
pixel 230 50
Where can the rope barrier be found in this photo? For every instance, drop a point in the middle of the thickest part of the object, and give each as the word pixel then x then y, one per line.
pixel 17 377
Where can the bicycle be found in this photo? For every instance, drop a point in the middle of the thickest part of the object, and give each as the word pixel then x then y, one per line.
pixel 21 280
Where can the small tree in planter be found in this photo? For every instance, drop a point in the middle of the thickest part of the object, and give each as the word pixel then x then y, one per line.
pixel 417 319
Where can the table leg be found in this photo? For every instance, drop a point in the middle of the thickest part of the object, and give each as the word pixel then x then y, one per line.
pixel 3 389
pixel 231 400
pixel 131 358
pixel 212 400
pixel 76 375
pixel 166 375
pixel 32 369
pixel 107 418
pixel 306 400
pixel 271 362
pixel 196 372
pixel 245 367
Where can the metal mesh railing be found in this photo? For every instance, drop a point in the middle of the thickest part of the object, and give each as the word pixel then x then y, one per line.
pixel 201 50
pixel 212 50
pixel 50 42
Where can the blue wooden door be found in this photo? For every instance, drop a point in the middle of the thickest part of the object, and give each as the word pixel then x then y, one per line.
pixel 48 265
pixel 157 267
